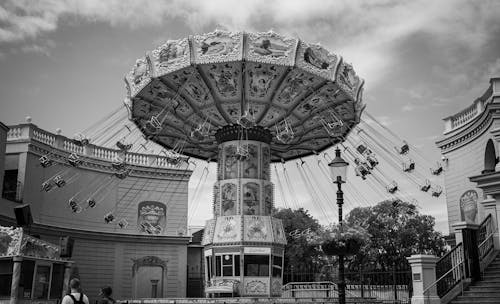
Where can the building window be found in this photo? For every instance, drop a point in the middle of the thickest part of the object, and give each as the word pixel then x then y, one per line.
pixel 10 185
pixel 228 265
pixel 256 265
pixel 154 289
pixel 209 265
pixel 277 266
pixel 5 277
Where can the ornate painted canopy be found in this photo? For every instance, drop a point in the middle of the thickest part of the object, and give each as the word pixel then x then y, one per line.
pixel 183 92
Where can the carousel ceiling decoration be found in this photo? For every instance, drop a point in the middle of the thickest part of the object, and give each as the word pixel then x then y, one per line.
pixel 184 91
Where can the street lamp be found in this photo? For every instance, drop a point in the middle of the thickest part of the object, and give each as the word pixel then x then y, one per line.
pixel 338 171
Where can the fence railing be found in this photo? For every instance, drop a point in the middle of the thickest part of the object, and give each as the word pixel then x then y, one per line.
pixel 485 237
pixel 390 285
pixel 450 271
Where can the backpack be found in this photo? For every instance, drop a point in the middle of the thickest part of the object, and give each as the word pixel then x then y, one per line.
pixel 80 301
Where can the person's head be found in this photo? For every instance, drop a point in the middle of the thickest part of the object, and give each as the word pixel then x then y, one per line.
pixel 74 284
pixel 106 291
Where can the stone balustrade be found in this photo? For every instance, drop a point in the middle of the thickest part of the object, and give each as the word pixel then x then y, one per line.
pixel 30 132
pixel 462 118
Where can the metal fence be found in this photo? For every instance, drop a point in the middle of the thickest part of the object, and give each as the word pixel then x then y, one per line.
pixel 389 286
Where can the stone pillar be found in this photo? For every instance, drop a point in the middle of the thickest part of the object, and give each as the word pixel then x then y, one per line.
pixel 16 277
pixel 491 206
pixel 423 271
pixel 67 275
pixel 466 233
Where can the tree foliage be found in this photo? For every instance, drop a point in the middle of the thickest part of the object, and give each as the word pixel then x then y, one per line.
pixel 397 230
pixel 298 252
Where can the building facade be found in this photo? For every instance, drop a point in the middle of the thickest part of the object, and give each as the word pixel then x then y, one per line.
pixel 470 152
pixel 129 233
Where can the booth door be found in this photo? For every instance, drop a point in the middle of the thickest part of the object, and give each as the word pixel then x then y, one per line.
pixel 149 282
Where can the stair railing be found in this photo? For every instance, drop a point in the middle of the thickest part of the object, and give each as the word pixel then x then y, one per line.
pixel 485 238
pixel 450 271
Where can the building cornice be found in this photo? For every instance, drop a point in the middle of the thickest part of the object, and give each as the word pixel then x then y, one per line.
pixel 475 129
pixel 489 182
pixel 4 126
pixel 31 139
pixel 101 236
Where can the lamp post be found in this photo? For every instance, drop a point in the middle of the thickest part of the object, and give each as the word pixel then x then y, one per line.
pixel 338 171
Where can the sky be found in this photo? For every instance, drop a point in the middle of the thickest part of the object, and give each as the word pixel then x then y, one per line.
pixel 63 62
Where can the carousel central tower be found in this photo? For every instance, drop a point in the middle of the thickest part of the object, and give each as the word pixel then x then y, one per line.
pixel 244 100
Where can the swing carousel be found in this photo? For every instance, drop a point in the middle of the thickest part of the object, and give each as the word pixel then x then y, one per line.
pixel 245 100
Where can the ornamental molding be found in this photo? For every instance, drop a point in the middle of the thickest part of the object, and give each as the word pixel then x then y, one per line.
pixel 475 129
pixel 55 231
pixel 104 166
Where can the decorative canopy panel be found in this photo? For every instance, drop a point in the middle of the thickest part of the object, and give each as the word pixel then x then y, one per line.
pixel 209 81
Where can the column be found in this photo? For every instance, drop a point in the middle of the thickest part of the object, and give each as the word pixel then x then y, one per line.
pixel 67 275
pixel 491 206
pixel 423 270
pixel 16 276
pixel 466 233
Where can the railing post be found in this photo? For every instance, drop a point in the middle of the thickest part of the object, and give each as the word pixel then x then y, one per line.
pixel 362 283
pixel 466 233
pixel 394 287
pixel 491 206
pixel 423 269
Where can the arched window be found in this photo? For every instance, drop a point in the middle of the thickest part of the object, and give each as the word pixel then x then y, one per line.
pixel 490 158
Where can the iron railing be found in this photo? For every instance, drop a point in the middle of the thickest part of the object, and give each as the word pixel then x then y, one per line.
pixel 485 237
pixel 392 285
pixel 450 271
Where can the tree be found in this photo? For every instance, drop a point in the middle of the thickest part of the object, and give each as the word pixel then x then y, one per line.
pixel 298 252
pixel 397 231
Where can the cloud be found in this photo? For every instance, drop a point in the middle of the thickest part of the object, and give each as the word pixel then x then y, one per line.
pixel 366 31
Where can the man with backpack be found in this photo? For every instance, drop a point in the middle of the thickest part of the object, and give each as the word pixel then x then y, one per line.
pixel 76 296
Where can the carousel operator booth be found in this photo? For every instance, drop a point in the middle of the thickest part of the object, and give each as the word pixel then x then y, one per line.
pixel 31 270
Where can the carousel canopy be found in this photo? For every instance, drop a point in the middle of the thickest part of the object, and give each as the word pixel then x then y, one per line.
pixel 185 91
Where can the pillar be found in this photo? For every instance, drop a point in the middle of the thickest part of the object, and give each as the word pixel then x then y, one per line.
pixel 16 277
pixel 491 206
pixel 466 233
pixel 67 275
pixel 423 271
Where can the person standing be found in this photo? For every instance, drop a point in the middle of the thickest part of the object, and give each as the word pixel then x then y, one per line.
pixel 106 293
pixel 76 295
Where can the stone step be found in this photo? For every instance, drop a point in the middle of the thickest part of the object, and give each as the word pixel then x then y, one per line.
pixel 482 293
pixel 470 300
pixel 485 287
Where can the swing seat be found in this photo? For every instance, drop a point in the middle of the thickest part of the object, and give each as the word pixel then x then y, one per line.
pixel 122 174
pixel 437 171
pixel 123 147
pixel 80 140
pixel 74 160
pixel 409 167
pixel 404 149
pixel 74 206
pixel 392 188
pixel 153 126
pixel 45 161
pixel 119 164
pixel 123 223
pixel 197 135
pixel 285 137
pixel 246 122
pixel 372 161
pixel 59 181
pixel 47 186
pixel 437 193
pixel 91 203
pixel 108 218
pixel 425 188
